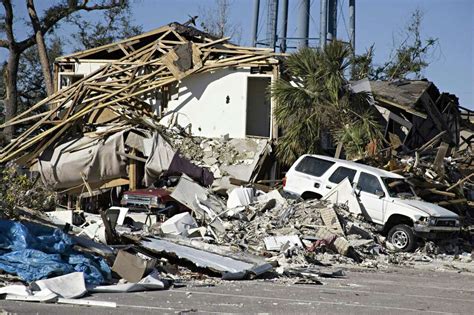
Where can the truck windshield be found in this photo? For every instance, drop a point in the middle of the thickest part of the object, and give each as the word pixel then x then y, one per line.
pixel 397 187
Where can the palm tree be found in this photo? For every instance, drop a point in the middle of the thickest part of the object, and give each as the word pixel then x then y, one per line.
pixel 313 97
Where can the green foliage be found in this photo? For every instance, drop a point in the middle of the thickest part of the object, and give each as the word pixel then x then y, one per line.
pixel 357 134
pixel 314 98
pixel 18 190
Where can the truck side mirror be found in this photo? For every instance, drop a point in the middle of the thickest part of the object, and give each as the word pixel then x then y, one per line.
pixel 356 189
pixel 379 193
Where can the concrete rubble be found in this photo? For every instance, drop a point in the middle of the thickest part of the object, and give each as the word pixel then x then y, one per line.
pixel 234 228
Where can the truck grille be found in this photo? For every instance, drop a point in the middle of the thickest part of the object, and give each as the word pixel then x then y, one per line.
pixel 446 223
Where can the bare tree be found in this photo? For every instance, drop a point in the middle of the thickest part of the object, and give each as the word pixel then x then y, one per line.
pixel 115 24
pixel 41 26
pixel 407 60
pixel 215 20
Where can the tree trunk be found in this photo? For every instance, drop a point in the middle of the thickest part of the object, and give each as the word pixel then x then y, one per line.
pixel 11 92
pixel 42 51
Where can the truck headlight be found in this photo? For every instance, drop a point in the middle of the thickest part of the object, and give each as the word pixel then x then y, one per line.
pixel 125 197
pixel 427 221
pixel 431 221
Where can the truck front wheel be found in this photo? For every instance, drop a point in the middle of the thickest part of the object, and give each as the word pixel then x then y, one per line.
pixel 402 237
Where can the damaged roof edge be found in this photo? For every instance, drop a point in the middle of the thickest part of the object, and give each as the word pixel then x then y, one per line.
pixel 180 29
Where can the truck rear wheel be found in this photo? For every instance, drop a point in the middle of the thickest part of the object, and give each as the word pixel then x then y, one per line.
pixel 402 237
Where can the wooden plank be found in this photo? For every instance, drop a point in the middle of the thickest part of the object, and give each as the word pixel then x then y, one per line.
pixel 442 193
pixel 122 47
pixel 452 202
pixel 132 171
pixel 105 47
pixel 435 115
pixel 220 40
pixel 438 163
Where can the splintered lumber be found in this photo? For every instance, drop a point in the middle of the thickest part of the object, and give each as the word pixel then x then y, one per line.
pixel 118 91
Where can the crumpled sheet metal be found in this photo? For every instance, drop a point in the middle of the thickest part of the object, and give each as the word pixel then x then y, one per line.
pixel 230 268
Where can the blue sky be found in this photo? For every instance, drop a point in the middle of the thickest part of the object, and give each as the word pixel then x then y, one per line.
pixel 378 22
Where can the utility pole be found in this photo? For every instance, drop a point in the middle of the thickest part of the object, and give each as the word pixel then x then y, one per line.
pixel 332 19
pixel 352 24
pixel 256 9
pixel 284 25
pixel 303 23
pixel 323 26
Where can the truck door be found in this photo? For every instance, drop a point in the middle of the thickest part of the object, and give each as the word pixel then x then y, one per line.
pixel 371 195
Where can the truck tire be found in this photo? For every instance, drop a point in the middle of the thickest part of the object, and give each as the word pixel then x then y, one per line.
pixel 402 238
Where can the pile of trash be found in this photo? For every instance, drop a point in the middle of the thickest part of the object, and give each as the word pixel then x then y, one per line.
pixel 234 233
pixel 224 157
pixel 247 235
pixel 439 174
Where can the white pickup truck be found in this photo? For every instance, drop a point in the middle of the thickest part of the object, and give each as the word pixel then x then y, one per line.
pixel 386 198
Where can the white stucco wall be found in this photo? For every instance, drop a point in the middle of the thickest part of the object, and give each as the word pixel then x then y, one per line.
pixel 202 102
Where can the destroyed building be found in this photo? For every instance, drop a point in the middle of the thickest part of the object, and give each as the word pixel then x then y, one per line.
pixel 117 105
pixel 220 88
pixel 416 111
pixel 178 101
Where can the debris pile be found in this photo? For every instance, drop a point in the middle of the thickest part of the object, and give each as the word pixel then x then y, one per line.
pixel 225 158
pixel 201 213
pixel 439 175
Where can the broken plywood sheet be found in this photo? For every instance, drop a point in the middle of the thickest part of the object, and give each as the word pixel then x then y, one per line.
pixel 343 193
pixel 182 58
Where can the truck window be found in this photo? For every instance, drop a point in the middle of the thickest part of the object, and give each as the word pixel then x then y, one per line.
pixel 341 173
pixel 369 183
pixel 313 166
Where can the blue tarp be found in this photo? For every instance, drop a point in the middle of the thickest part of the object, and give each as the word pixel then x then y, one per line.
pixel 35 252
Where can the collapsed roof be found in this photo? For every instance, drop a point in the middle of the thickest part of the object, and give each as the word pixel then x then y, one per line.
pixel 116 94
pixel 428 111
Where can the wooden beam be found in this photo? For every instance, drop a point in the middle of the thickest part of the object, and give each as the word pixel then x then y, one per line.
pixel 132 171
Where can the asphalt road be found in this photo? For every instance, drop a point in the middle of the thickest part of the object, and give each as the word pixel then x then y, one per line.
pixel 360 292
